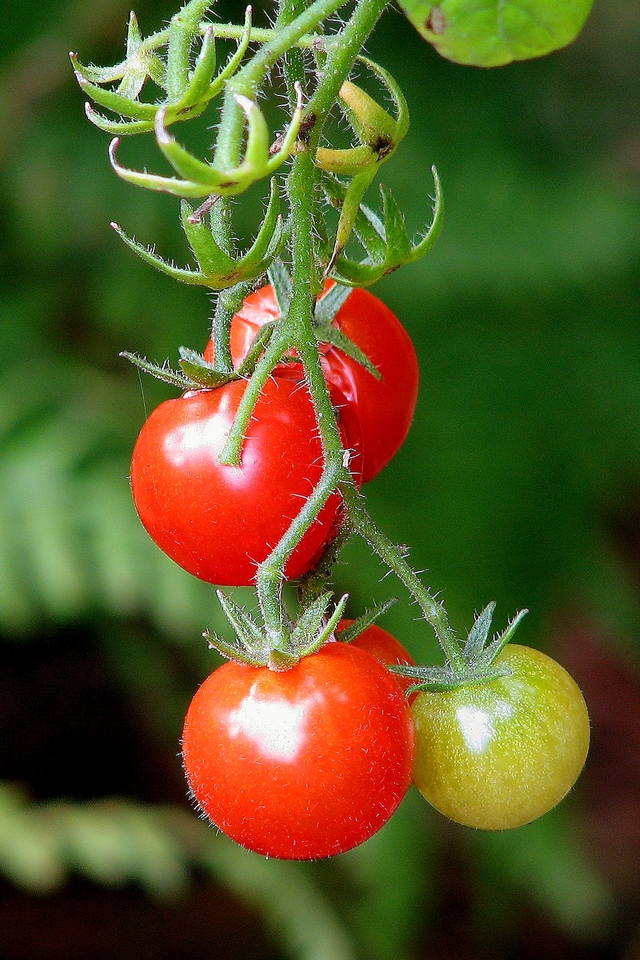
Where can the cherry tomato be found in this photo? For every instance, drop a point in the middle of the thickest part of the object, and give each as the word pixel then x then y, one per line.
pixel 500 754
pixel 304 763
pixel 219 522
pixel 384 407
pixel 384 647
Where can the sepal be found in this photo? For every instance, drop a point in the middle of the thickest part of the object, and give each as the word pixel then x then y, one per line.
pixel 195 372
pixel 198 179
pixel 386 241
pixel 314 627
pixel 200 372
pixel 479 658
pixel 217 269
pixel 368 618
pixel 188 91
pixel 379 134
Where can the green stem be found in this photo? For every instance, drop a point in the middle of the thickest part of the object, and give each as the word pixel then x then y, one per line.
pixel 248 80
pixel 271 572
pixel 184 25
pixel 433 611
pixel 232 31
pixel 296 330
pixel 228 303
pixel 342 54
pixel 294 60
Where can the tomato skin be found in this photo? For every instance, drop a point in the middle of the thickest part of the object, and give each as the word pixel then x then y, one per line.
pixel 384 647
pixel 219 522
pixel 302 764
pixel 384 407
pixel 499 755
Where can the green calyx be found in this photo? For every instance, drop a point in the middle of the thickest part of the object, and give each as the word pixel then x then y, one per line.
pixel 379 134
pixel 216 269
pixel 385 239
pixel 188 90
pixel 478 656
pixel 254 645
pixel 197 179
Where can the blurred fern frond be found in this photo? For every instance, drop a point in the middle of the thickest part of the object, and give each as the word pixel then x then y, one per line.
pixel 70 540
pixel 116 842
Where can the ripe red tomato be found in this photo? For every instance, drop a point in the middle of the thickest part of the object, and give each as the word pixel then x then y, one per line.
pixel 500 754
pixel 384 647
pixel 384 407
pixel 301 764
pixel 219 522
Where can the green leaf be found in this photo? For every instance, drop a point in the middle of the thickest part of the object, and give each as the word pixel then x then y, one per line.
pixel 490 33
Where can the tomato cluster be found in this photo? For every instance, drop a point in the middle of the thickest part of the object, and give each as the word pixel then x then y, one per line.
pixel 310 760
pixel 219 521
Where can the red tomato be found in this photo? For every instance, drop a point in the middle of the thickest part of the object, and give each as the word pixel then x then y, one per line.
pixel 384 407
pixel 219 522
pixel 301 764
pixel 384 647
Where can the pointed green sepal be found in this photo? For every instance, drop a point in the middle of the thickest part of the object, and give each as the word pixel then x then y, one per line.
pixel 493 649
pixel 184 274
pixel 385 241
pixel 164 373
pixel 256 350
pixel 114 101
pixel 281 282
pixel 227 648
pixel 310 621
pixel 329 305
pixel 199 179
pixel 328 630
pixel 184 26
pixel 477 639
pixel 354 193
pixel 330 334
pixel 117 128
pixel 347 162
pixel 204 374
pixel 251 639
pixel 366 620
pixel 217 270
pixel 211 258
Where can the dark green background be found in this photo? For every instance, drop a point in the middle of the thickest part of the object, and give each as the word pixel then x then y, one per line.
pixel 520 482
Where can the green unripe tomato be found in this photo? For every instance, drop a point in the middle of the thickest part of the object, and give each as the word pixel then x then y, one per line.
pixel 498 755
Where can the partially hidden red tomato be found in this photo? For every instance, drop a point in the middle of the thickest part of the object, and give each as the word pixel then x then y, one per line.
pixel 384 407
pixel 219 522
pixel 304 763
pixel 384 647
pixel 500 754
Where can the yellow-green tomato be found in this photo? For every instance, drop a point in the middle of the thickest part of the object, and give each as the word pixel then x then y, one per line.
pixel 499 754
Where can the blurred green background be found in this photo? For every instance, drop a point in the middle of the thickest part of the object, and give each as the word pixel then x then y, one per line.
pixel 520 482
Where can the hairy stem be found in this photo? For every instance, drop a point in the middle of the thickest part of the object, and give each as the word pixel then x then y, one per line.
pixel 434 613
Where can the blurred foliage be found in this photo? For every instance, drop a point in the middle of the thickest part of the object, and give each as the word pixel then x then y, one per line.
pixel 525 445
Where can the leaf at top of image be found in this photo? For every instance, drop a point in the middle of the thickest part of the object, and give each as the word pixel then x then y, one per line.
pixel 491 33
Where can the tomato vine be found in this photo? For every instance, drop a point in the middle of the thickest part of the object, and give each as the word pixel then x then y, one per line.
pixel 254 475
